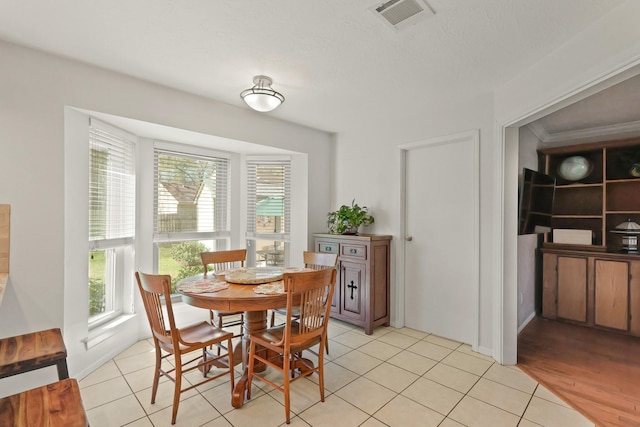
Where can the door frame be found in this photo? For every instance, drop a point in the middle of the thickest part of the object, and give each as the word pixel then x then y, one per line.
pixel 472 137
pixel 505 187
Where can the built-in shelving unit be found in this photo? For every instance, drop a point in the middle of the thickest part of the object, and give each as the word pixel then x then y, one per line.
pixel 607 197
pixel 594 285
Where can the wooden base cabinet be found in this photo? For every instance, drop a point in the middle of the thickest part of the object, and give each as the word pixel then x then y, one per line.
pixel 595 289
pixel 572 288
pixel 362 293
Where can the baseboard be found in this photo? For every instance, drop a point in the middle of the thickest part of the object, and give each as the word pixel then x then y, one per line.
pixel 486 351
pixel 526 321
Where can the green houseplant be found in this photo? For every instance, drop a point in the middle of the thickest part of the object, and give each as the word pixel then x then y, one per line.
pixel 348 219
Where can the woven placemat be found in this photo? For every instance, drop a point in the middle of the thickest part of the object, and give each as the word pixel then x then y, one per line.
pixel 203 286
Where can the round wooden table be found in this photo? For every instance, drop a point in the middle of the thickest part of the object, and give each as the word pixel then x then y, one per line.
pixel 238 297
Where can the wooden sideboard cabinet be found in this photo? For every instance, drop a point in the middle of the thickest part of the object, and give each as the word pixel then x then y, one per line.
pixel 596 289
pixel 362 293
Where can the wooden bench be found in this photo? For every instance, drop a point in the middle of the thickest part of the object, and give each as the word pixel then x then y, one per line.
pixel 32 351
pixel 54 405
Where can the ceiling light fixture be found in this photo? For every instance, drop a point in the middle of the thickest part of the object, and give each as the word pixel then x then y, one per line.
pixel 261 97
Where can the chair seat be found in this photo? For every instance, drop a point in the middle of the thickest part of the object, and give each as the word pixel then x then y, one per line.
pixel 31 351
pixel 276 334
pixel 202 332
pixel 54 405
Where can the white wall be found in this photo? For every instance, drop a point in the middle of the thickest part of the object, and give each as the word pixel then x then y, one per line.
pixel 35 88
pixel 605 53
pixel 528 243
pixel 376 182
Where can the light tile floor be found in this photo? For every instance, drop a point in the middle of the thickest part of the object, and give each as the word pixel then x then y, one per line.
pixel 395 377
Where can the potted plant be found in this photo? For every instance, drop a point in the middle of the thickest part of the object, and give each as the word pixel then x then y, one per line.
pixel 348 219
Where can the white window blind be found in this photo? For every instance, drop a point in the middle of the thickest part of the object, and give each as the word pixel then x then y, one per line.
pixel 191 197
pixel 268 199
pixel 112 186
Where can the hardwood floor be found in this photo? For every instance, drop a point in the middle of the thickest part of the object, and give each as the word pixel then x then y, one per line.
pixel 597 372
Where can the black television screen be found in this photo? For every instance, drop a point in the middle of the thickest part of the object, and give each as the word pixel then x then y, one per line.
pixel 536 202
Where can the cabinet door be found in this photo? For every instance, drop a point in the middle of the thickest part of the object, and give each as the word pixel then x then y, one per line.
pixel 550 286
pixel 572 288
pixel 612 294
pixel 335 301
pixel 352 292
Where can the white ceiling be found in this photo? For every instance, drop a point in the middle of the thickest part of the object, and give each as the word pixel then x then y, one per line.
pixel 612 113
pixel 339 65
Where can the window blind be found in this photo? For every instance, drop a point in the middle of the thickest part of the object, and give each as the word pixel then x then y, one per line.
pixel 191 195
pixel 268 195
pixel 112 188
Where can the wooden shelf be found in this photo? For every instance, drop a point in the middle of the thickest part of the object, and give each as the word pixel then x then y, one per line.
pixel 621 212
pixel 577 216
pixel 540 213
pixel 615 181
pixel 564 246
pixel 574 185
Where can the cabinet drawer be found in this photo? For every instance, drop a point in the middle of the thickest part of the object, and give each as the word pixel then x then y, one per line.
pixel 328 247
pixel 355 251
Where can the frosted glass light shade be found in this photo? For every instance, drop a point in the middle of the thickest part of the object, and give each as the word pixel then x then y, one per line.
pixel 575 168
pixel 261 97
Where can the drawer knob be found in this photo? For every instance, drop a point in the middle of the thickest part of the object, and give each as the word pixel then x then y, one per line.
pixel 353 251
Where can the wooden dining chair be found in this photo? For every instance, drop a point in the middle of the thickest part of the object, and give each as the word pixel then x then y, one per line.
pixel 156 290
pixel 309 294
pixel 224 260
pixel 315 261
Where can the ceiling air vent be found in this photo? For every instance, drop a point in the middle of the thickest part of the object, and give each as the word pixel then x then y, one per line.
pixel 400 14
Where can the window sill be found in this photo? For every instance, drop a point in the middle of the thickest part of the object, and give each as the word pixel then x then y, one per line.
pixel 107 330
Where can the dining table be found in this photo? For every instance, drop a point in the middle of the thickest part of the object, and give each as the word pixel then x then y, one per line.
pixel 253 290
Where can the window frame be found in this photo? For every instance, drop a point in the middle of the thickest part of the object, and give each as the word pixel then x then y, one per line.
pixel 251 234
pixel 221 236
pixel 118 242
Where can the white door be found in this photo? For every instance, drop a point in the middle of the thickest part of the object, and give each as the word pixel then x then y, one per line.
pixel 441 247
